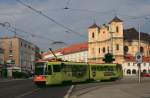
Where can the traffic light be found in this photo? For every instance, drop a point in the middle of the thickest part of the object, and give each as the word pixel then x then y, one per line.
pixel 108 58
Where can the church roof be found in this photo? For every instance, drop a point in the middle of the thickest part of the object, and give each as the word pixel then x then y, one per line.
pixel 132 34
pixel 94 26
pixel 115 19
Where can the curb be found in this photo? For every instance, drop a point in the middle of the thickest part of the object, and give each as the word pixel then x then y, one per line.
pixel 87 90
pixel 84 91
pixel 69 92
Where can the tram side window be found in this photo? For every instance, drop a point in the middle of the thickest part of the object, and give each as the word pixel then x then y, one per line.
pixel 110 68
pixel 56 68
pixel 93 68
pixel 49 70
pixel 105 68
pixel 99 68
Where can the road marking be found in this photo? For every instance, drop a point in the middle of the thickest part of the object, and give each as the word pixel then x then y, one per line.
pixel 69 91
pixel 28 93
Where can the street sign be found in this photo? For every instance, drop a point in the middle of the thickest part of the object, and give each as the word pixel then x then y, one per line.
pixel 138 57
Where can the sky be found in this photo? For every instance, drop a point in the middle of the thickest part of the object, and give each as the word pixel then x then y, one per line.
pixel 80 15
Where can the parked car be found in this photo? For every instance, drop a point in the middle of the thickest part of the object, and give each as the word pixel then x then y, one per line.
pixel 145 74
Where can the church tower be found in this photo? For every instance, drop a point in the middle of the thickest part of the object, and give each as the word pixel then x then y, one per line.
pixel 107 38
pixel 117 42
pixel 92 38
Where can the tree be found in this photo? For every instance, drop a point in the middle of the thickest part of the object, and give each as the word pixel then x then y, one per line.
pixel 108 58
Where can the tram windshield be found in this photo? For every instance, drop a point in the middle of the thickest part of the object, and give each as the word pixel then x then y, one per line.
pixel 40 68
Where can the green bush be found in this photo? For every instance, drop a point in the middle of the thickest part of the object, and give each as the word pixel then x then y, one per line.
pixel 4 73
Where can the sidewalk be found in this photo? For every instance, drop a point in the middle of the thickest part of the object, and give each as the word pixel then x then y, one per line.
pixel 119 91
pixel 11 79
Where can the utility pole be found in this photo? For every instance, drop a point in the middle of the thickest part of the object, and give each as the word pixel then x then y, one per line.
pixel 139 64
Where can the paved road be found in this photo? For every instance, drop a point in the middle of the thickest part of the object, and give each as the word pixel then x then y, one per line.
pixel 26 89
pixel 125 88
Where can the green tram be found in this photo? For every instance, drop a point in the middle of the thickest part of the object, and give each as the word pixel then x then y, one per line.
pixel 51 73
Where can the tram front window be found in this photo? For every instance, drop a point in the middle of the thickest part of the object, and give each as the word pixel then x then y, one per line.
pixel 40 68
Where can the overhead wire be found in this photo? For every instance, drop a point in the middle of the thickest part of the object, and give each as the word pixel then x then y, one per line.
pixel 14 29
pixel 51 19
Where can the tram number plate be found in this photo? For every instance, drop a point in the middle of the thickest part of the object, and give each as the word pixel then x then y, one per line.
pixel 108 73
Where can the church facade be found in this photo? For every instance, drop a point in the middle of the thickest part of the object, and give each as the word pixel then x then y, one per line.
pixel 113 38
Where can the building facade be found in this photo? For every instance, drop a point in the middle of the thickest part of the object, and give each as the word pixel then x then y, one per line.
pixel 75 53
pixel 114 39
pixel 130 67
pixel 18 53
pixel 1 60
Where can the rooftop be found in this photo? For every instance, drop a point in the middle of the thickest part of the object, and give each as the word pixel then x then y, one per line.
pixel 79 47
pixel 116 19
pixel 94 26
pixel 132 34
pixel 131 58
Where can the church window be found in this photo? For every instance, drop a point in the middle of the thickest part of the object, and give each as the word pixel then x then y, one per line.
pixel 117 47
pixel 126 49
pixel 99 50
pixel 117 29
pixel 93 35
pixel 104 50
pixel 141 49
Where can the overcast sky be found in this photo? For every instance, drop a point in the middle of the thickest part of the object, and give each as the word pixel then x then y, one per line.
pixel 80 15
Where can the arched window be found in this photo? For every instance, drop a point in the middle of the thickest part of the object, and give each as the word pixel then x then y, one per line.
pixel 117 47
pixel 133 71
pixel 141 49
pixel 128 71
pixel 104 50
pixel 92 34
pixel 117 29
pixel 99 50
pixel 144 71
pixel 126 49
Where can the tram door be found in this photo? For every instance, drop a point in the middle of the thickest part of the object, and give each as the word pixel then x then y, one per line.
pixel 56 73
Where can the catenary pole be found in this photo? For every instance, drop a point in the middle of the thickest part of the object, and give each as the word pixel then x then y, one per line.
pixel 139 64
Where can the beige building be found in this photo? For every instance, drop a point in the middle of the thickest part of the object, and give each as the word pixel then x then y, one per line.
pixel 1 60
pixel 18 53
pixel 75 53
pixel 114 39
pixel 1 56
